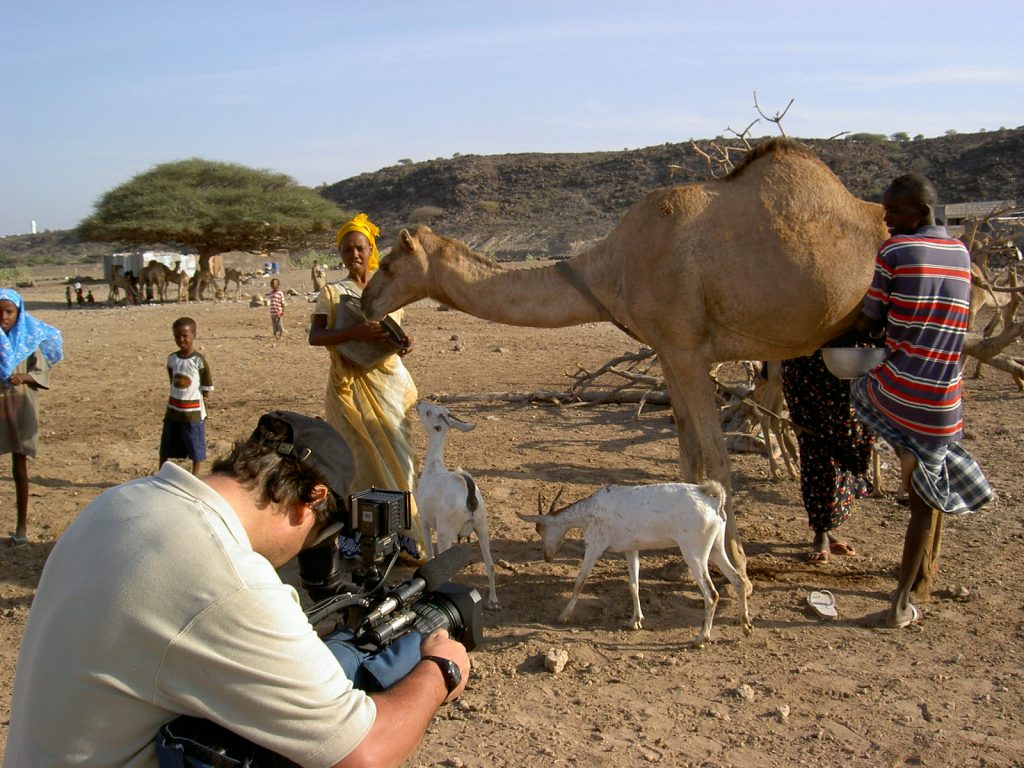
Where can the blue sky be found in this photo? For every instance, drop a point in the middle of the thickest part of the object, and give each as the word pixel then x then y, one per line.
pixel 94 92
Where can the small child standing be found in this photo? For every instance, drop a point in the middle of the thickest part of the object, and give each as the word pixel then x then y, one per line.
pixel 28 348
pixel 276 300
pixel 184 433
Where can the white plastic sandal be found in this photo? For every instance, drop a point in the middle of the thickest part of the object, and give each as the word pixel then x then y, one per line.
pixel 823 603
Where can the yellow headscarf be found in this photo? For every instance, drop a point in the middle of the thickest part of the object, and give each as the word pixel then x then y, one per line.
pixel 363 225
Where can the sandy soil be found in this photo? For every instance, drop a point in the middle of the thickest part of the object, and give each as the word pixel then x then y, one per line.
pixel 799 691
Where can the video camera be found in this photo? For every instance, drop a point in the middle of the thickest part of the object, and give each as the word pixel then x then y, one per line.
pixel 377 613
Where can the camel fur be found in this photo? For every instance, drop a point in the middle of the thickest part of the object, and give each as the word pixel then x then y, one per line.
pixel 767 263
pixel 233 275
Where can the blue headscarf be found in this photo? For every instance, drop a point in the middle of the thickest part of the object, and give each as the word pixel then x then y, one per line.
pixel 25 335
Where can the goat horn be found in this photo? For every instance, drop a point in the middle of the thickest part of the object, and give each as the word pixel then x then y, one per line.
pixel 540 503
pixel 551 509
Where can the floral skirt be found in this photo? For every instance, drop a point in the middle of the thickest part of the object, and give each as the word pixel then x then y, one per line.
pixel 835 448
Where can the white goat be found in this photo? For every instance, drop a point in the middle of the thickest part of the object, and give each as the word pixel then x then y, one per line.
pixel 450 502
pixel 630 518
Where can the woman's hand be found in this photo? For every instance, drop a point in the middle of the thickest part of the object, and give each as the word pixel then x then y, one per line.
pixel 369 330
pixel 409 343
pixel 21 378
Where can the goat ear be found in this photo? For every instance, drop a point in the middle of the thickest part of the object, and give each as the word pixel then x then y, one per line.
pixel 530 518
pixel 406 239
pixel 459 424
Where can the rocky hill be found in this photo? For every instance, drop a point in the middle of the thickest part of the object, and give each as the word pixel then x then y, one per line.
pixel 519 206
pixel 553 205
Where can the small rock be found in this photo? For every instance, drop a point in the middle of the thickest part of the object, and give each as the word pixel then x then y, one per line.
pixel 962 593
pixel 453 762
pixel 745 692
pixel 501 350
pixel 453 337
pixel 555 660
pixel 783 712
pixel 648 754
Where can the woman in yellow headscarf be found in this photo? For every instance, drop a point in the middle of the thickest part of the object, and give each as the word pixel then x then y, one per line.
pixel 369 402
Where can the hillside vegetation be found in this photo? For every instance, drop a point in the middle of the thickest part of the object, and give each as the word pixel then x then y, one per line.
pixel 519 206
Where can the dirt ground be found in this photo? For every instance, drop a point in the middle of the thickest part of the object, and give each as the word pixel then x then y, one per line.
pixel 799 691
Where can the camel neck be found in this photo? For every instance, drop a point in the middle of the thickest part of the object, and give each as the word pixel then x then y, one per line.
pixel 538 297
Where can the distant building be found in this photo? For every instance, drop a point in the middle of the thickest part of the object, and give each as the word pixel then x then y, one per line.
pixel 953 215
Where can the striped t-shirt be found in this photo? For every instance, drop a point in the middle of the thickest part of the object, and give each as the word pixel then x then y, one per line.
pixel 922 287
pixel 276 301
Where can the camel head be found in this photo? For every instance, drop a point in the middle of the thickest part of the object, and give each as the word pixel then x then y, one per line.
pixel 403 274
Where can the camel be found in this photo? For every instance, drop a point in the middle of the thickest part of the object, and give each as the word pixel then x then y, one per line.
pixel 151 281
pixel 232 275
pixel 160 276
pixel 768 263
pixel 198 284
pixel 118 282
pixel 179 277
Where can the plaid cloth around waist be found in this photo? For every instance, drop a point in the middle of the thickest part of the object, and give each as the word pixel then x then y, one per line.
pixel 946 476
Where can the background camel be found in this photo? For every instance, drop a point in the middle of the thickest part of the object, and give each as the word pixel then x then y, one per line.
pixel 232 275
pixel 159 276
pixel 152 281
pixel 179 277
pixel 200 281
pixel 768 263
pixel 118 282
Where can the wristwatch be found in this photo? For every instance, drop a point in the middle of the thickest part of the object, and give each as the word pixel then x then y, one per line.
pixel 450 670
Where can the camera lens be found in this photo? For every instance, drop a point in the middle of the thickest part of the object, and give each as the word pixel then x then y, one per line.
pixel 435 613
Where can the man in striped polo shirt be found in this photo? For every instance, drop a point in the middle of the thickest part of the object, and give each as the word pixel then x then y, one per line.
pixel 919 299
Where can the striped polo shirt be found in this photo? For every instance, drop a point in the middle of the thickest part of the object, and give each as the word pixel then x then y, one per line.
pixel 922 287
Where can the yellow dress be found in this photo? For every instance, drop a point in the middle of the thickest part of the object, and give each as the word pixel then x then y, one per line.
pixel 371 409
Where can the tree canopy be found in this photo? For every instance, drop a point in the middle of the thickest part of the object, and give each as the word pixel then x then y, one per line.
pixel 212 207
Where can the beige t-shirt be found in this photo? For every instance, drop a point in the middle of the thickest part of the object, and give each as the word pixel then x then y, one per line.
pixel 153 604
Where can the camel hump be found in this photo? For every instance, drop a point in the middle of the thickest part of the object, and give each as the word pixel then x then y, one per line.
pixel 779 145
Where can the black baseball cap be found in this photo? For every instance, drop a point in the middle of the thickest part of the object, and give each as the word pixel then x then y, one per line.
pixel 311 441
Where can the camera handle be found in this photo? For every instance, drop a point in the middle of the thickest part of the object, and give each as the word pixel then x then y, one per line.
pixel 320 611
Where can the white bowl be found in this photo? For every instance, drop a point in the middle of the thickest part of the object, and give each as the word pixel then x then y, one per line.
pixel 852 362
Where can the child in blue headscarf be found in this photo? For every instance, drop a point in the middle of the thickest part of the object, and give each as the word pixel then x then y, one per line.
pixel 28 348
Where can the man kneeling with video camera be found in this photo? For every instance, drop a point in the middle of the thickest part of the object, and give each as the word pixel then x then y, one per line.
pixel 162 600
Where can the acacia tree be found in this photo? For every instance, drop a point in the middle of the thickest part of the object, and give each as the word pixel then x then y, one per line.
pixel 211 207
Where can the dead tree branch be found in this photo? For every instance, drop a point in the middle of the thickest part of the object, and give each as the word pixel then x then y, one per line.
pixel 777 119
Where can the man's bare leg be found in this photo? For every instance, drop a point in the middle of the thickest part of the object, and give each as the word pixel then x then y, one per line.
pixel 919 537
pixel 922 589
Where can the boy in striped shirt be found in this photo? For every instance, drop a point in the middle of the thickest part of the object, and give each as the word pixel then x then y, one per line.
pixel 919 300
pixel 276 301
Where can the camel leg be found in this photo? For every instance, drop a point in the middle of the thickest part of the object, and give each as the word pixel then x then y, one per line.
pixel 691 462
pixel 702 444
